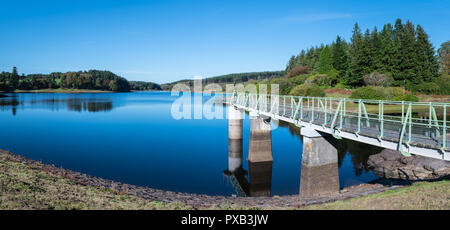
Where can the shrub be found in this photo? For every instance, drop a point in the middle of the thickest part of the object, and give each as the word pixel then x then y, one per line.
pixel 322 80
pixel 298 70
pixel 377 79
pixel 368 92
pixel 444 84
pixel 380 93
pixel 312 90
pixel 427 88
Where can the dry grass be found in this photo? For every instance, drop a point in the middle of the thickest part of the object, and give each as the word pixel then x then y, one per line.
pixel 22 187
pixel 422 196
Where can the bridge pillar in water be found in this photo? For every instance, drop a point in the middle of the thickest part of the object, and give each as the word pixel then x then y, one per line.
pixel 235 120
pixel 319 172
pixel 260 147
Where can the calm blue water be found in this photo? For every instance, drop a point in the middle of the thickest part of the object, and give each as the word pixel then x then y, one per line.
pixel 132 138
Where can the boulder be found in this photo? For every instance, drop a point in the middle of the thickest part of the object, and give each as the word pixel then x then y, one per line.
pixel 392 164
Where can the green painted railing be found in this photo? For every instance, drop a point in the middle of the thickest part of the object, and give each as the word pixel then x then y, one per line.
pixel 406 122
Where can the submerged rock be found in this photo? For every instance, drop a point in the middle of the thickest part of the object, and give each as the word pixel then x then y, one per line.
pixel 392 164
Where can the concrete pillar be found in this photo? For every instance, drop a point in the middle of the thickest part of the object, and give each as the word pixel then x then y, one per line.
pixel 319 172
pixel 260 147
pixel 235 155
pixel 235 117
pixel 260 178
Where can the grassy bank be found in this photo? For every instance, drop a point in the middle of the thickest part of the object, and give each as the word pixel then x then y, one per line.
pixel 421 195
pixel 24 186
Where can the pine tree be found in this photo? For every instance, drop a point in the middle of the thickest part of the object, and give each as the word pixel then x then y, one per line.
pixel 406 56
pixel 355 69
pixel 339 55
pixel 375 50
pixel 428 66
pixel 325 64
pixel 387 49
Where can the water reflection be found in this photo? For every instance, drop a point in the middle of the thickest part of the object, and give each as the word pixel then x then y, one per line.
pixel 76 103
pixel 256 182
pixel 358 152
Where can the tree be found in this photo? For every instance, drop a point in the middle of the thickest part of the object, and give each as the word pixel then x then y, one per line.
pixel 355 70
pixel 14 79
pixel 427 64
pixel 325 64
pixel 339 54
pixel 387 49
pixel 444 57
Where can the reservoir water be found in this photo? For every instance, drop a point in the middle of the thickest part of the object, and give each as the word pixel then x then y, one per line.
pixel 133 138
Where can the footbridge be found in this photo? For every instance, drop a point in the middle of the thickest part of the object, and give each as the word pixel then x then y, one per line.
pixel 413 128
pixel 418 128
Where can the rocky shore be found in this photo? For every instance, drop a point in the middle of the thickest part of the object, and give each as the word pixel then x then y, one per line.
pixel 199 200
pixel 392 164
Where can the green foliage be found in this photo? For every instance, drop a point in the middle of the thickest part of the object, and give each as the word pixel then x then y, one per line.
pixel 141 85
pixel 368 92
pixel 382 93
pixel 444 84
pixel 426 88
pixel 312 90
pixel 92 79
pixel 444 57
pixel 325 61
pixel 403 52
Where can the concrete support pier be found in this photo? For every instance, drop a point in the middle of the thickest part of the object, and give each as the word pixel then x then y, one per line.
pixel 260 147
pixel 235 117
pixel 235 157
pixel 319 172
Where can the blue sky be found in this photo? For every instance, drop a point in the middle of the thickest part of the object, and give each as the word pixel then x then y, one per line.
pixel 163 41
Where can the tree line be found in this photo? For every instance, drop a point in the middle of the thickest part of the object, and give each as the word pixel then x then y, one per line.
pixel 90 80
pixel 402 51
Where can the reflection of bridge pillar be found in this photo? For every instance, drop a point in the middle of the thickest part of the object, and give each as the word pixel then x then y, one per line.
pixel 260 147
pixel 320 172
pixel 260 178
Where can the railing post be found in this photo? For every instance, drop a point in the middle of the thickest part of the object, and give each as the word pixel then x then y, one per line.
pixel 444 129
pixel 359 117
pixel 301 108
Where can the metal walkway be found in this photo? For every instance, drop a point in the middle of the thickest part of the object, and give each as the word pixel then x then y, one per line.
pixel 418 128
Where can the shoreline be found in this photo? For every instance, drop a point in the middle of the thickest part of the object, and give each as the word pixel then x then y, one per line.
pixel 201 201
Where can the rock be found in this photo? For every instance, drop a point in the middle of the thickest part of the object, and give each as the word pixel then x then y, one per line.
pixel 392 164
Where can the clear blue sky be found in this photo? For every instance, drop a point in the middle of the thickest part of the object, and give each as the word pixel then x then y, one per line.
pixel 163 41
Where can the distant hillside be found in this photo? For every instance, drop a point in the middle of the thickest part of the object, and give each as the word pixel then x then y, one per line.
pixel 230 78
pixel 141 85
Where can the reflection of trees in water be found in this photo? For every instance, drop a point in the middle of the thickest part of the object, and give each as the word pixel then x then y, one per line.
pixel 72 104
pixel 91 105
pixel 9 103
pixel 359 152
